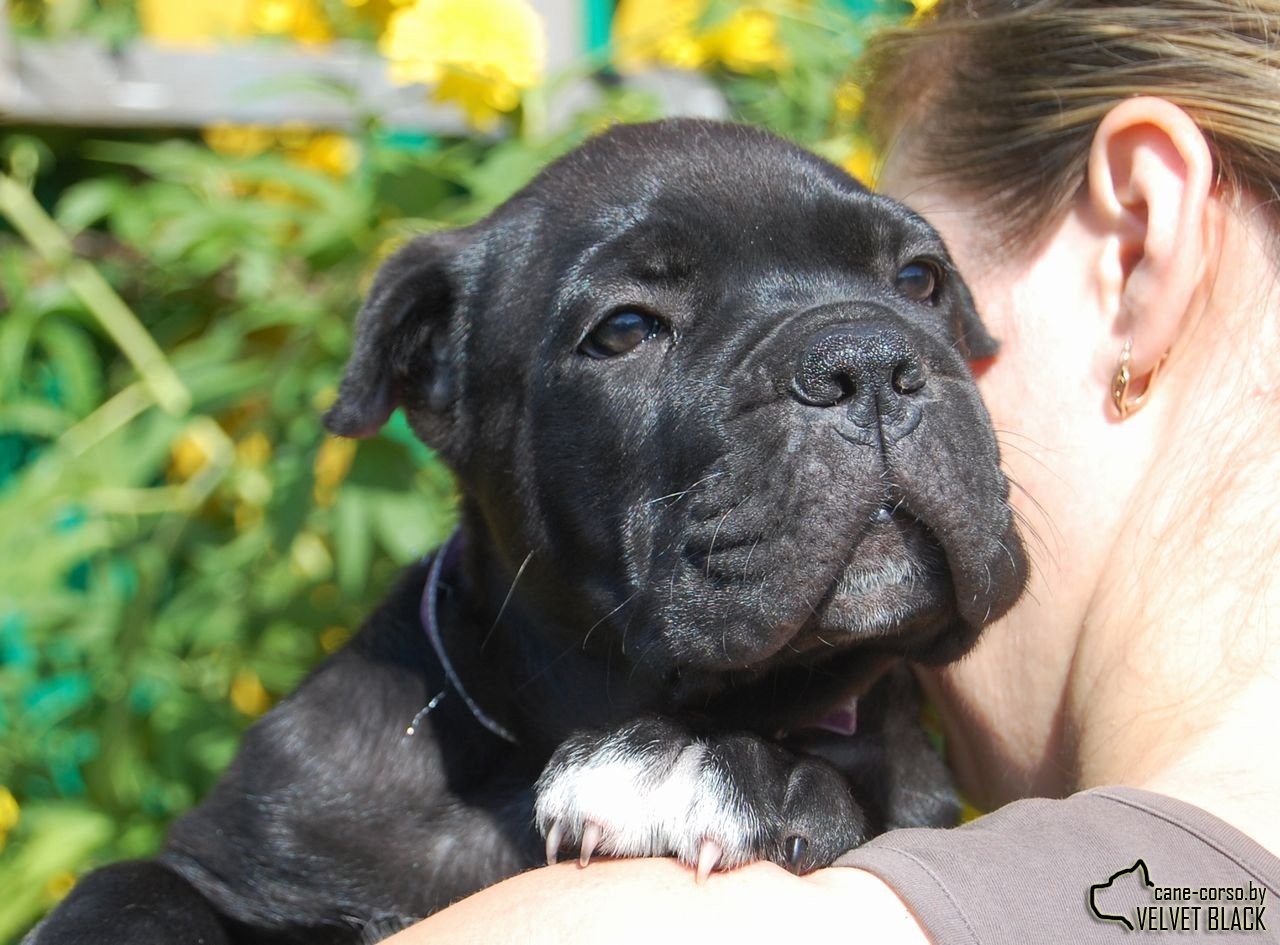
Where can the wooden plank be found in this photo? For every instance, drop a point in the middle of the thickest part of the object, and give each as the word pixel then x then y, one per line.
pixel 83 82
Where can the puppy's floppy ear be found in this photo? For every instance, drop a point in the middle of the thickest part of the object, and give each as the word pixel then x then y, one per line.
pixel 972 337
pixel 399 338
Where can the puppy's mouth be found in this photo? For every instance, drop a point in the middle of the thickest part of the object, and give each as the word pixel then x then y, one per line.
pixel 888 591
pixel 829 618
pixel 895 591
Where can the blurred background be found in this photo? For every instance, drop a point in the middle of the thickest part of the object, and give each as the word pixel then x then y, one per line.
pixel 193 196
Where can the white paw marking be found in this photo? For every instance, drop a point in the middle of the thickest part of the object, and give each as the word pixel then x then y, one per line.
pixel 659 800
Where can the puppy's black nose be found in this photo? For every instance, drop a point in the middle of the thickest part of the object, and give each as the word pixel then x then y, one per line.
pixel 871 369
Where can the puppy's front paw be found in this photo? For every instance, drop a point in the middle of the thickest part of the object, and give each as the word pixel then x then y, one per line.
pixel 653 788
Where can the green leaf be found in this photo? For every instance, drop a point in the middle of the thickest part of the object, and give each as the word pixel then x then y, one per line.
pixel 34 418
pixel 75 361
pixel 408 526
pixel 381 465
pixel 54 839
pixel 88 202
pixel 353 541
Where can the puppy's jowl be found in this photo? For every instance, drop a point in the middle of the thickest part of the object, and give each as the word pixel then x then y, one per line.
pixel 722 464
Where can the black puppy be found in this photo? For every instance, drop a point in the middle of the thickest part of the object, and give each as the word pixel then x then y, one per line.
pixel 722 462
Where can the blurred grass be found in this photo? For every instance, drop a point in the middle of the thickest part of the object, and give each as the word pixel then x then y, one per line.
pixel 179 540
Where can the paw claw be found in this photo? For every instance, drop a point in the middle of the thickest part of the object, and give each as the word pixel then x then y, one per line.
pixel 554 836
pixel 708 856
pixel 796 847
pixel 591 834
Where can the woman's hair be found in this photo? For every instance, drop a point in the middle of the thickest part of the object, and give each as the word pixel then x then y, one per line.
pixel 1001 97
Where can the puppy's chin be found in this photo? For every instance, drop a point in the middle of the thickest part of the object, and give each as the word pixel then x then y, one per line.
pixel 892 594
pixel 895 592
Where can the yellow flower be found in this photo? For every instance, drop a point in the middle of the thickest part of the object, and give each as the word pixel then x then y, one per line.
pixel 277 192
pixel 333 637
pixel 187 456
pixel 9 814
pixel 248 694
pixel 302 20
pixel 195 22
pixel 747 42
pixel 200 22
pixel 328 152
pixel 849 99
pixel 482 99
pixel 861 163
pixel 377 11
pixel 254 449
pixel 333 461
pixel 667 33
pixel 238 140
pixel 923 8
pixel 646 32
pixel 25 14
pixel 59 885
pixel 479 53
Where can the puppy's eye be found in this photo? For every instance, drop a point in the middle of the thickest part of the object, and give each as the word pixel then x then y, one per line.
pixel 621 332
pixel 919 281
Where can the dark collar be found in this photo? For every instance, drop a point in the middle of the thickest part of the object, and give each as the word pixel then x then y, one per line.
pixel 443 567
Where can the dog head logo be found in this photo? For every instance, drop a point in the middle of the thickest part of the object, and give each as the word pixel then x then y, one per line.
pixel 1119 897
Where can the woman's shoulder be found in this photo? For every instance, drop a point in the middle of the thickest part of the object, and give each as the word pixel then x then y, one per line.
pixel 1080 868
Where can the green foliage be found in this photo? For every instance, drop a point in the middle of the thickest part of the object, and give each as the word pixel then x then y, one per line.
pixel 169 567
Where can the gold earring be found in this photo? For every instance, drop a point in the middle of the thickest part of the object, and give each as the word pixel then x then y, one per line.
pixel 1126 405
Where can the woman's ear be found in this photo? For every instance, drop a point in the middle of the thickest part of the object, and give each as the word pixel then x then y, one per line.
pixel 1150 186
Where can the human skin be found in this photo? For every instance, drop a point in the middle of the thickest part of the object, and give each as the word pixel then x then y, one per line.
pixel 646 901
pixel 1139 655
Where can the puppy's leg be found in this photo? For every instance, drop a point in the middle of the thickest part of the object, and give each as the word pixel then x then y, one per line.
pixel 896 774
pixel 653 787
pixel 138 903
pixel 332 820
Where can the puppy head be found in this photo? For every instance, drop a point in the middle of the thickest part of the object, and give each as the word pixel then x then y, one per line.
pixel 716 392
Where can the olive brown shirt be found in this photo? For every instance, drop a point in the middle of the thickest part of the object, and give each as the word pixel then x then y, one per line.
pixel 1108 865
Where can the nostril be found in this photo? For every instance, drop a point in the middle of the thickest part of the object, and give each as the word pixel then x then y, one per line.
pixel 908 377
pixel 823 389
pixel 863 361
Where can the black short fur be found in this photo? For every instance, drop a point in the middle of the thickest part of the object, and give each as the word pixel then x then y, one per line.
pixel 789 486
